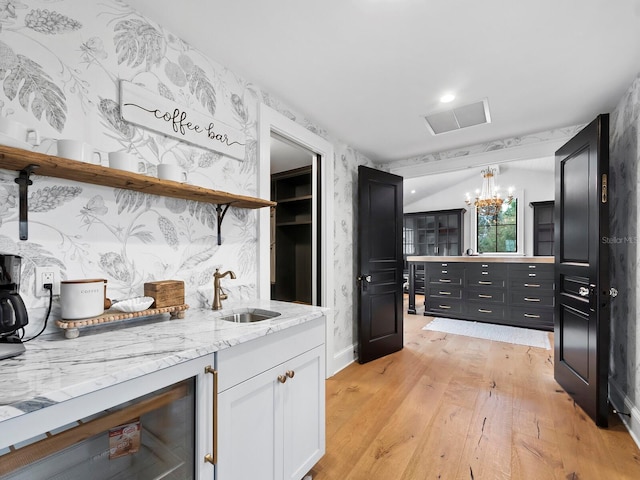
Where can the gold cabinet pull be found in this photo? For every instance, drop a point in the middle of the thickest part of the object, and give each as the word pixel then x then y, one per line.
pixel 482 282
pixel 529 299
pixel 444 280
pixel 444 293
pixel 213 458
pixel 290 373
pixel 531 315
pixel 282 378
pixel 482 310
pixel 481 295
pixel 533 285
pixel 446 307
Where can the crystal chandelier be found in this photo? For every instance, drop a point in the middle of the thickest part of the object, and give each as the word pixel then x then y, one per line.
pixel 488 200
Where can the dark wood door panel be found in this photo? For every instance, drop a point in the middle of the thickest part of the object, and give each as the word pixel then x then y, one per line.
pixel 384 318
pixel 581 329
pixel 380 264
pixel 574 201
pixel 575 335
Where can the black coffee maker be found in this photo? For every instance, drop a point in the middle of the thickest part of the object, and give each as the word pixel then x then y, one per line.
pixel 13 313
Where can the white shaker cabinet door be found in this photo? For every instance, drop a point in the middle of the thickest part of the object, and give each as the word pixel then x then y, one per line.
pixel 304 413
pixel 272 426
pixel 250 430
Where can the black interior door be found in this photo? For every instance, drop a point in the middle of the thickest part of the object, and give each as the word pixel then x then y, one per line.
pixel 581 328
pixel 380 264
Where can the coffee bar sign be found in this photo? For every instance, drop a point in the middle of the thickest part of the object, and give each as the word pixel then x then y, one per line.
pixel 155 112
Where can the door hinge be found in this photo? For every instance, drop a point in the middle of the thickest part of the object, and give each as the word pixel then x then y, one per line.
pixel 604 188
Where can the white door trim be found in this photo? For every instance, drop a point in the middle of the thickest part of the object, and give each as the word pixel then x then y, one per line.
pixel 272 121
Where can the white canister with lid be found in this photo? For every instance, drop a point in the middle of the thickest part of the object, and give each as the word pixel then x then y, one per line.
pixel 82 298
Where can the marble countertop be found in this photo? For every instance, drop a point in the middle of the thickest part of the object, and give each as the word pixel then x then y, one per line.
pixel 54 369
pixel 482 258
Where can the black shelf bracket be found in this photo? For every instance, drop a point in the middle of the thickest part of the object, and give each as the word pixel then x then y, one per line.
pixel 221 213
pixel 24 181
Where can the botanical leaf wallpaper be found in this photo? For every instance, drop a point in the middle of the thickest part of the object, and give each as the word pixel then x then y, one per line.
pixel 60 66
pixel 624 265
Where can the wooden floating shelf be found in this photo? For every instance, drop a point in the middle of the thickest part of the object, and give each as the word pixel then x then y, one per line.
pixel 48 165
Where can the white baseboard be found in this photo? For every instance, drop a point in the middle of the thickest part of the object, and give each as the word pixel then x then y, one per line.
pixel 344 358
pixel 622 403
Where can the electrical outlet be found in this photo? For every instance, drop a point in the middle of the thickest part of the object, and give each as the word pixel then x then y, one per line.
pixel 50 275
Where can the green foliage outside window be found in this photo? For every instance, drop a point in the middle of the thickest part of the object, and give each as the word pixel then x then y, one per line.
pixel 499 233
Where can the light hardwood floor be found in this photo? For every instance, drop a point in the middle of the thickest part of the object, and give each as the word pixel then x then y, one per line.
pixel 453 407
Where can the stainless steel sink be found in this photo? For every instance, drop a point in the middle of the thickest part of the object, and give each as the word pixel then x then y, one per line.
pixel 250 316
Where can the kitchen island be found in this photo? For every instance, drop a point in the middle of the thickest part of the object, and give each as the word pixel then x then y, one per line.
pixel 509 290
pixel 58 381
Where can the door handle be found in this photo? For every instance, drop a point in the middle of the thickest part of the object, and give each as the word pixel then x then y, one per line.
pixel 366 278
pixel 583 291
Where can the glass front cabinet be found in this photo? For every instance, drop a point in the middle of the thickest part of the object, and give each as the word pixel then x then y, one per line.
pixel 435 233
pixel 543 228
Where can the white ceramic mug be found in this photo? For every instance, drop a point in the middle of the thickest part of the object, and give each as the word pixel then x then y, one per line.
pixel 82 298
pixel 171 172
pixel 19 131
pixel 78 150
pixel 123 161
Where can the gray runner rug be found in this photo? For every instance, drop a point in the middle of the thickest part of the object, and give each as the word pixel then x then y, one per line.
pixel 488 331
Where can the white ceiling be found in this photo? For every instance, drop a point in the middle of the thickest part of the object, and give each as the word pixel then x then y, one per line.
pixel 367 70
pixel 417 187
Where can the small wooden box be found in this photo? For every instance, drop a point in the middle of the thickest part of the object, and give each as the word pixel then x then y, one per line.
pixel 167 293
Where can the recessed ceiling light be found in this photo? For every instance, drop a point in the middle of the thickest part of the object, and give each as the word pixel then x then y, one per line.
pixel 447 97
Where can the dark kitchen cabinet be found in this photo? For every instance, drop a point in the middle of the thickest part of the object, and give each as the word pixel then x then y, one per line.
pixel 542 228
pixel 520 294
pixel 292 228
pixel 431 233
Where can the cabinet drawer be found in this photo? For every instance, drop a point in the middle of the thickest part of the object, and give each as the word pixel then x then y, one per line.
pixel 531 273
pixel 240 362
pixel 531 284
pixel 487 268
pixel 486 311
pixel 540 298
pixel 524 268
pixel 487 274
pixel 447 267
pixel 445 279
pixel 443 306
pixel 532 317
pixel 487 295
pixel 445 291
pixel 486 281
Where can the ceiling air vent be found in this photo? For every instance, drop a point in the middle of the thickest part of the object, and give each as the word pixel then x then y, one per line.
pixel 460 117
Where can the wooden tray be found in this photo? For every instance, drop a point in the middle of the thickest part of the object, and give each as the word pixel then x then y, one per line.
pixel 72 327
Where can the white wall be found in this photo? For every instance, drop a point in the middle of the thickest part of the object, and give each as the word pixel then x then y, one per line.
pixel 532 179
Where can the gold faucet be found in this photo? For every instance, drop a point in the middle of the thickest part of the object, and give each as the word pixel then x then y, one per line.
pixel 218 294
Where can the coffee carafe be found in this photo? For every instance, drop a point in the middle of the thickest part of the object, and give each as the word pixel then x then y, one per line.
pixel 13 313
